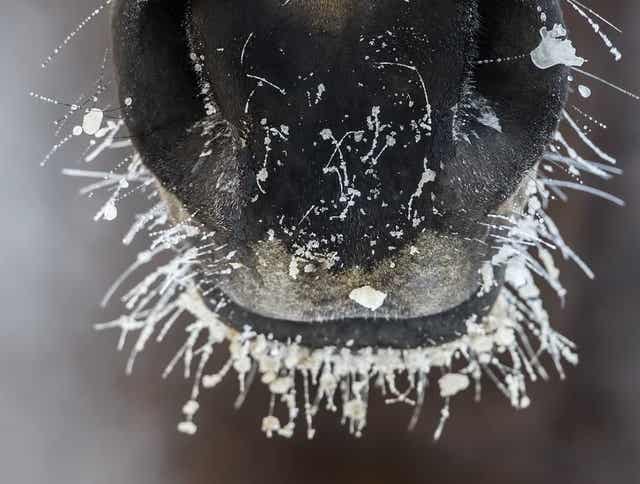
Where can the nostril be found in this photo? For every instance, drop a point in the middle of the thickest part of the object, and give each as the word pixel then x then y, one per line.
pixel 505 69
pixel 153 67
pixel 508 112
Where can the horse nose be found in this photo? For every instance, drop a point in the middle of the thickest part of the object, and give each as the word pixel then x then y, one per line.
pixel 346 129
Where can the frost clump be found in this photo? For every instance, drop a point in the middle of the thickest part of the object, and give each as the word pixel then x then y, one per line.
pixel 555 49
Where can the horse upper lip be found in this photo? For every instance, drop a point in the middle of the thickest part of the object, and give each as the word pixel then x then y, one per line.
pixel 423 300
pixel 359 332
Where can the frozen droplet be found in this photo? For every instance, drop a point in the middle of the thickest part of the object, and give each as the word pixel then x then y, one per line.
pixel 270 425
pixel 210 381
pixel 110 212
pixel 555 49
pixel 190 408
pixel 188 428
pixel 355 410
pixel 144 257
pixel 584 91
pixel 92 121
pixel 368 297
pixel 242 365
pixel 280 386
pixel 77 131
pixel 128 101
pixel 452 384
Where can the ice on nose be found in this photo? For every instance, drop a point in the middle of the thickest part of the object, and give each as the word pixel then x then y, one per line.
pixel 555 49
pixel 368 297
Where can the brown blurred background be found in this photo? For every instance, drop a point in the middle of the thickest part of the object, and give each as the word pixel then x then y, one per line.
pixel 68 414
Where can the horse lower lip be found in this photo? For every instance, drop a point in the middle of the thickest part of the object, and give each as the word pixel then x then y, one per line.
pixel 363 332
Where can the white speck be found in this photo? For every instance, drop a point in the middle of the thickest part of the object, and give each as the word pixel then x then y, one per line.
pixel 128 101
pixel 390 140
pixel 211 381
pixel 326 134
pixel 488 277
pixel 452 384
pixel 77 131
pixel 555 49
pixel 368 297
pixel 321 90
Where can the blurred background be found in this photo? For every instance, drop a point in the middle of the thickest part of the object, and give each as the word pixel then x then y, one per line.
pixel 68 413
